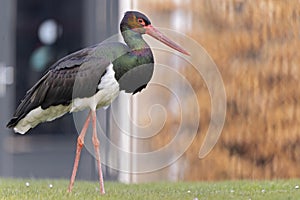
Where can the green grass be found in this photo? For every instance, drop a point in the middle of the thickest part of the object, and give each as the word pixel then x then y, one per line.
pixel 254 190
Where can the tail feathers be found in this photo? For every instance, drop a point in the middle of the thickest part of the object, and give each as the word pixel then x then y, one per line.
pixel 23 109
pixel 12 123
pixel 30 101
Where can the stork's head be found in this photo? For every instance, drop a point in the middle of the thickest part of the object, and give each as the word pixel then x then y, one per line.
pixel 140 23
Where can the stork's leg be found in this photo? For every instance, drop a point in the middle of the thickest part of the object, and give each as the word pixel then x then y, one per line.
pixel 80 143
pixel 97 153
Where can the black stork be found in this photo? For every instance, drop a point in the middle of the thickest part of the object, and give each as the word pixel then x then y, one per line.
pixel 100 72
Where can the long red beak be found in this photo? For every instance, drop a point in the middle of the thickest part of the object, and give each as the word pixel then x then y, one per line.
pixel 152 31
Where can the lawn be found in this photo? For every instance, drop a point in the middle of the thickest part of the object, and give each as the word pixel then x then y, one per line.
pixel 56 189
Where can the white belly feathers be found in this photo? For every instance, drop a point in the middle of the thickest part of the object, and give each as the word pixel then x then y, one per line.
pixel 108 91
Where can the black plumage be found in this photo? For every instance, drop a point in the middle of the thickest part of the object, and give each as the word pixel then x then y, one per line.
pixel 56 87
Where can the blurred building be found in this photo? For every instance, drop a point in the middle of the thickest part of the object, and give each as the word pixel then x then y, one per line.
pixel 33 35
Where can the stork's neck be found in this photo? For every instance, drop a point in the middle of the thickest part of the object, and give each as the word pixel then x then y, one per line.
pixel 135 41
pixel 140 55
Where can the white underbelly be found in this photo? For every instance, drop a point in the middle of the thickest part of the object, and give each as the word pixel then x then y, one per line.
pixel 108 90
pixel 38 115
pixel 103 97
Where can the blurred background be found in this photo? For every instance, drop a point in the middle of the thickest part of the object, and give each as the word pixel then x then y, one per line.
pixel 253 43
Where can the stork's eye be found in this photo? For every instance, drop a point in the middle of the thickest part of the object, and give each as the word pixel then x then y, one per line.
pixel 141 21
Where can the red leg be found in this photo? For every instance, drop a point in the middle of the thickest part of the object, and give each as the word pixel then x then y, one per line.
pixel 97 153
pixel 80 143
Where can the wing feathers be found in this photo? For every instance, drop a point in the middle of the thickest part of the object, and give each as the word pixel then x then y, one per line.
pixel 76 75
